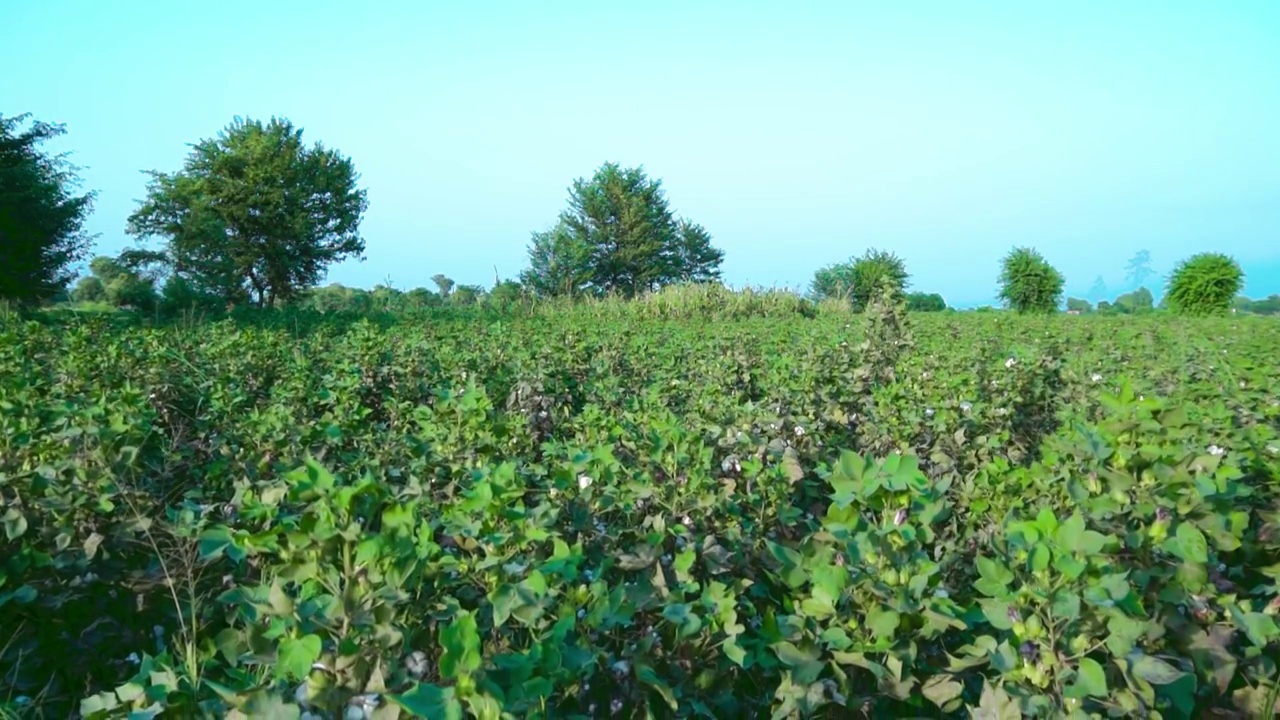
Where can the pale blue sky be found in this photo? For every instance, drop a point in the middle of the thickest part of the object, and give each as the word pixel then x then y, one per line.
pixel 798 133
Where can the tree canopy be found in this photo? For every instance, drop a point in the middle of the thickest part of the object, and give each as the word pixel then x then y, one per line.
pixel 859 279
pixel 255 214
pixel 1028 283
pixel 619 235
pixel 41 215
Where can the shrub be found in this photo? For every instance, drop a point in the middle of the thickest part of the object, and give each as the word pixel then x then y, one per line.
pixel 858 279
pixel 1028 283
pixel 926 302
pixel 1078 305
pixel 1205 284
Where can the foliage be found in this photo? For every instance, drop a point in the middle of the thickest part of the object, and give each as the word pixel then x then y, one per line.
pixel 860 279
pixel 254 214
pixel 1138 301
pixel 1269 305
pixel 1028 283
pixel 1078 305
pixel 597 509
pixel 925 302
pixel 443 284
pixel 1204 284
pixel 619 236
pixel 41 216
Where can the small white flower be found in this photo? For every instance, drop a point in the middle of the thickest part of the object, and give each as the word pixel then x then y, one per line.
pixel 686 521
pixel 417 664
pixel 1002 411
pixel 966 406
pixel 584 482
pixel 928 412
pixel 133 658
pixel 582 612
pixel 1010 363
pixel 1215 450
pixel 1242 384
pixel 900 517
pixel 553 492
pixel 615 706
pixel 1095 377
pixel 799 431
pixel 1273 449
pixel 941 593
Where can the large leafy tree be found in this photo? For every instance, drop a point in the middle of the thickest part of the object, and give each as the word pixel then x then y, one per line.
pixel 255 213
pixel 41 215
pixel 619 235
pixel 860 279
pixel 1028 283
pixel 1139 268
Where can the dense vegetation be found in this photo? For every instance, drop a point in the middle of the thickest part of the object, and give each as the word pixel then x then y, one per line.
pixel 595 511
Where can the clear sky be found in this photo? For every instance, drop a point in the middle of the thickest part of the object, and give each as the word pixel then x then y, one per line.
pixel 797 133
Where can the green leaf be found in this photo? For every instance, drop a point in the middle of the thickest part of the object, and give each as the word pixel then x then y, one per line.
pixel 1155 670
pixel 994 570
pixel 1069 534
pixel 296 655
pixel 997 613
pixel 646 675
pixel 1191 544
pixel 883 623
pixel 1260 628
pixel 461 643
pixel 1091 680
pixel 734 651
pixel 1040 558
pixel 941 689
pixel 430 701
pixel 15 524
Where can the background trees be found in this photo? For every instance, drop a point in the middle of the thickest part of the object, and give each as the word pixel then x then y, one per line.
pixel 859 279
pixel 619 235
pixel 1205 284
pixel 254 213
pixel 1028 283
pixel 41 216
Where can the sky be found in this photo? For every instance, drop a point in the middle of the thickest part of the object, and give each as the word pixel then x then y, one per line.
pixel 798 133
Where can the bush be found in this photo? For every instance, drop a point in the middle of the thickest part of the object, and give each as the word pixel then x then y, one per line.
pixel 1205 284
pixel 1028 283
pixel 858 279
pixel 926 302
pixel 1078 305
pixel 89 289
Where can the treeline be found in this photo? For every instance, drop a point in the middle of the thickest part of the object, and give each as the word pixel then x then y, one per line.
pixel 255 217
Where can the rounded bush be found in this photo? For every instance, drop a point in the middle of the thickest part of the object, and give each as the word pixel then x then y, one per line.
pixel 1028 283
pixel 1205 284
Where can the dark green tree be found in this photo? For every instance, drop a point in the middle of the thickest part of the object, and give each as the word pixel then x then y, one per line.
pixel 255 213
pixel 1138 301
pixel 1078 305
pixel 1204 284
pixel 860 279
pixel 619 235
pixel 1028 283
pixel 443 283
pixel 89 289
pixel 925 302
pixel 41 215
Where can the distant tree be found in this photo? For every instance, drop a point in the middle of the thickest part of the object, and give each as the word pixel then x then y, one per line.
pixel 925 302
pixel 1138 301
pixel 559 263
pixel 255 213
pixel 1267 306
pixel 444 284
pixel 1104 307
pixel 466 295
pixel 859 279
pixel 619 235
pixel 1099 289
pixel 506 292
pixel 41 216
pixel 1139 268
pixel 1204 284
pixel 89 289
pixel 1078 305
pixel 421 298
pixel 1028 283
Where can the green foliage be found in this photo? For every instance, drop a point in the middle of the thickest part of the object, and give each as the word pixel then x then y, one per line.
pixel 254 214
pixel 860 279
pixel 1078 305
pixel 619 236
pixel 89 289
pixel 600 506
pixel 1028 283
pixel 925 302
pixel 41 216
pixel 1204 284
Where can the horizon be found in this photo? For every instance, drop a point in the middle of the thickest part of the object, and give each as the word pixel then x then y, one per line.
pixel 798 137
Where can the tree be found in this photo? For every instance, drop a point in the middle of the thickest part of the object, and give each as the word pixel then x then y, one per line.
pixel 41 216
pixel 1099 289
pixel 117 283
pixel 1204 284
pixel 1139 268
pixel 89 289
pixel 619 235
pixel 443 283
pixel 1078 305
pixel 1028 283
pixel 1138 301
pixel 466 295
pixel 255 213
pixel 559 263
pixel 925 302
pixel 858 280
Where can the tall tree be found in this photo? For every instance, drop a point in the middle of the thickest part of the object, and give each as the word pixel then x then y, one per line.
pixel 443 283
pixel 1099 289
pixel 1139 268
pixel 1028 283
pixel 41 216
pixel 619 235
pixel 255 212
pixel 860 279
